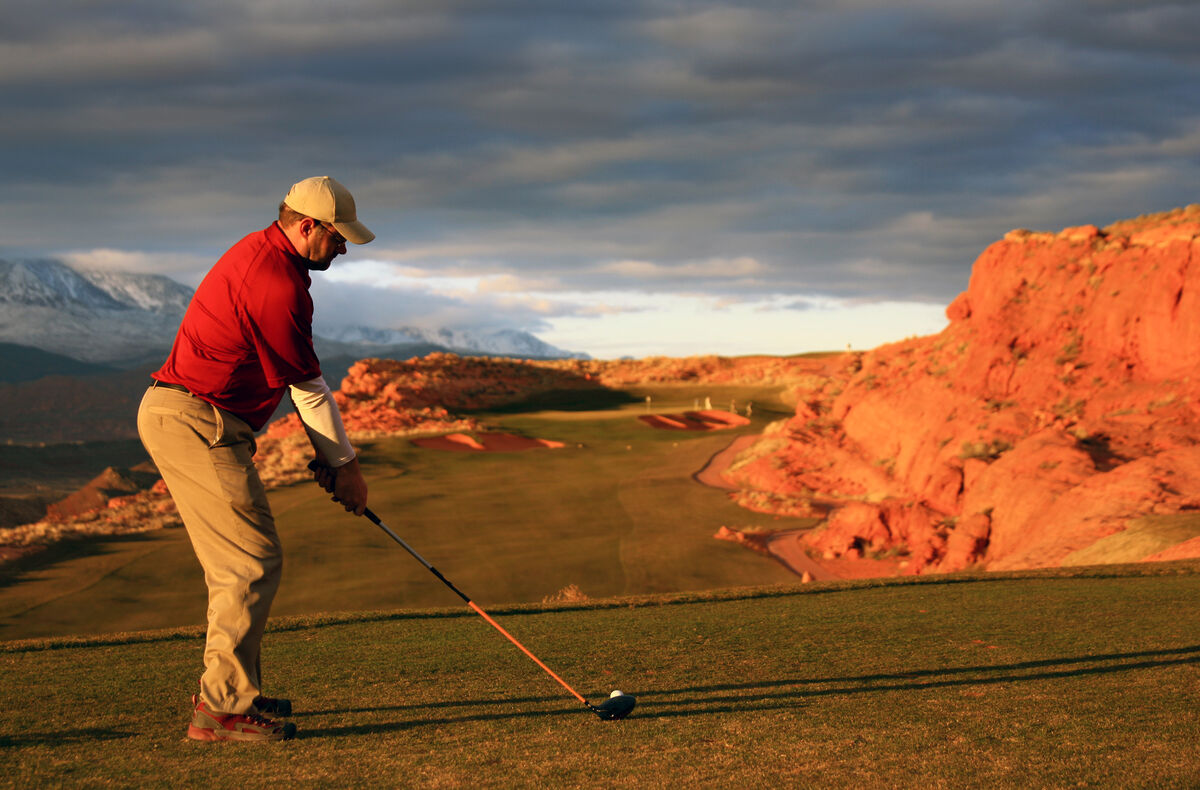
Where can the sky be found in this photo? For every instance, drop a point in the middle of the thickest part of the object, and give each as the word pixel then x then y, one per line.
pixel 618 177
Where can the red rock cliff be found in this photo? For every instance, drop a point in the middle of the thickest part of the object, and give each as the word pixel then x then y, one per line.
pixel 1058 408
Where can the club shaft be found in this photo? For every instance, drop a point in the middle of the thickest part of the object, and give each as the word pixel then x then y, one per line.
pixel 374 519
pixel 525 650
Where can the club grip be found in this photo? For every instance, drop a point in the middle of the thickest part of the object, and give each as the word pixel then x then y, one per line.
pixel 314 465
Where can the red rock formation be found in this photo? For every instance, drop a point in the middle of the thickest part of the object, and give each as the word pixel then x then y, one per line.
pixel 755 541
pixel 1059 404
pixel 104 491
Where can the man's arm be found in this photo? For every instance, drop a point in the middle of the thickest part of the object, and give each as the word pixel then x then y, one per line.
pixel 337 471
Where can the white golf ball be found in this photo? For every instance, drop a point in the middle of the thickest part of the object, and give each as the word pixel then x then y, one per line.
pixel 616 693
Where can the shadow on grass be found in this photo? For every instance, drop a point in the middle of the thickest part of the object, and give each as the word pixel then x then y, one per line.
pixel 376 728
pixel 17 570
pixel 704 697
pixel 775 694
pixel 60 738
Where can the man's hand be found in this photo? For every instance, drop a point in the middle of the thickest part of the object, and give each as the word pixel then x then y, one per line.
pixel 346 483
pixel 323 474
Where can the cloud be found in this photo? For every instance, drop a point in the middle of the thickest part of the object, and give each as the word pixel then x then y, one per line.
pixel 510 284
pixel 716 268
pixel 512 157
pixel 374 293
pixel 139 262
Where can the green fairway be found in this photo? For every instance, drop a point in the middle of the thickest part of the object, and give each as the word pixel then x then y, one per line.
pixel 615 512
pixel 1088 678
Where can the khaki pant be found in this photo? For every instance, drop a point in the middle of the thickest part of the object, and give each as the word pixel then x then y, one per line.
pixel 205 457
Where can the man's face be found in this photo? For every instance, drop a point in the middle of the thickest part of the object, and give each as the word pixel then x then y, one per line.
pixel 324 244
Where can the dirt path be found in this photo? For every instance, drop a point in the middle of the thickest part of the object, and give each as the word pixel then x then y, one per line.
pixel 786 546
pixel 711 474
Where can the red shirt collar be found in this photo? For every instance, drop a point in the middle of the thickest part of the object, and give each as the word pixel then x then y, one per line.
pixel 279 239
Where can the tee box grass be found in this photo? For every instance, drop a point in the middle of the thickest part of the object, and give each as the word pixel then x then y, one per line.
pixel 1051 679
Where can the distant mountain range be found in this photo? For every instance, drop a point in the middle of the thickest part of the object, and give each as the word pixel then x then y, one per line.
pixel 501 342
pixel 123 320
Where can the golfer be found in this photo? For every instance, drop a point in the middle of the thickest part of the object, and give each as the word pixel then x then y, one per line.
pixel 245 340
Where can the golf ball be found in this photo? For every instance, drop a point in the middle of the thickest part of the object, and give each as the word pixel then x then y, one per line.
pixel 616 693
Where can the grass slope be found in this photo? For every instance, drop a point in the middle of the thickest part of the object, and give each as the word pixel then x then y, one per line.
pixel 25 363
pixel 1020 680
pixel 1143 537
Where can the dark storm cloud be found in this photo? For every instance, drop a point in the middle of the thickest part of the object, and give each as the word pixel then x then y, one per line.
pixel 854 148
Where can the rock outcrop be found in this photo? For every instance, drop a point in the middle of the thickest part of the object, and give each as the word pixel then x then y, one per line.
pixel 1060 404
pixel 108 485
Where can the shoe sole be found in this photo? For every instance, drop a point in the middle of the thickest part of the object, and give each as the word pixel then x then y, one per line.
pixel 211 735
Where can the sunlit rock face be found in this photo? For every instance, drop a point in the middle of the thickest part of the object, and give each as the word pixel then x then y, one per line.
pixel 1059 407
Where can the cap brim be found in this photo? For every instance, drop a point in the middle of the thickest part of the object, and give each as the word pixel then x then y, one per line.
pixel 355 232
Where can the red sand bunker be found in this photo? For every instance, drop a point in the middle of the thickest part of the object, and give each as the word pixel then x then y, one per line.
pixel 706 420
pixel 484 442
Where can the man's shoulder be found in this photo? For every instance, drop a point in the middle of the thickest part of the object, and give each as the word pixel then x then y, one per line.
pixel 251 246
pixel 260 256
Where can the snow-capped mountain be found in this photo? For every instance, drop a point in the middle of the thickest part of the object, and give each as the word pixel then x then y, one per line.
pixel 48 283
pixel 93 316
pixel 501 342
pixel 123 319
pixel 151 292
pixel 51 284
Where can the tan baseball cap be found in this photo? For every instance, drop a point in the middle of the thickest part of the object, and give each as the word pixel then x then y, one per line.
pixel 324 199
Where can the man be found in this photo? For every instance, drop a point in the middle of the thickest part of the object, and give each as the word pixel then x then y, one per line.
pixel 245 340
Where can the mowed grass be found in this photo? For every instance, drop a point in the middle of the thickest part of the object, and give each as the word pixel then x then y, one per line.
pixel 615 512
pixel 1051 679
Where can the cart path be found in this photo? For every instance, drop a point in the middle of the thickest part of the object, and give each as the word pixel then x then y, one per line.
pixel 713 472
pixel 786 547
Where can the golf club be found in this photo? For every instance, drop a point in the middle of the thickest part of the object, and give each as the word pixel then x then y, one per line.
pixel 615 707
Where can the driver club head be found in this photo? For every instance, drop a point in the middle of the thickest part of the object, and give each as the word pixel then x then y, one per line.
pixel 615 708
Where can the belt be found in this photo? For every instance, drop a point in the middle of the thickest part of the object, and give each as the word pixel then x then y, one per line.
pixel 166 385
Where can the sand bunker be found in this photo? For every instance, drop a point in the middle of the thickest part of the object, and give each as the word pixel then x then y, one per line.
pixel 484 442
pixel 705 420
